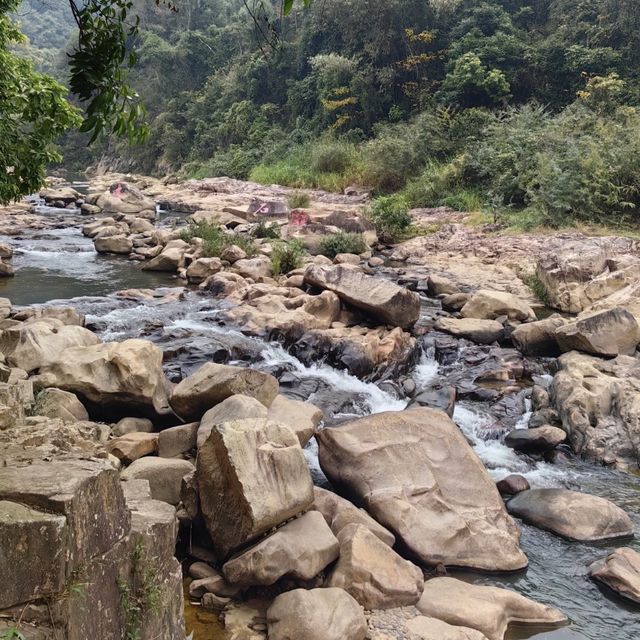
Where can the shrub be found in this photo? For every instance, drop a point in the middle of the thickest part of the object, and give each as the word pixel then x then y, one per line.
pixel 331 157
pixel 264 230
pixel 341 242
pixel 387 162
pixel 390 216
pixel 287 256
pixel 215 240
pixel 298 200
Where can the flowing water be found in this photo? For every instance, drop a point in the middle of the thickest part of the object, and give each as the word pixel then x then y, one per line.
pixel 60 266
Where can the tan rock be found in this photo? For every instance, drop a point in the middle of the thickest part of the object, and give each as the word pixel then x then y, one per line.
pixel 176 441
pixel 602 333
pixel 35 344
pixel 536 439
pixel 416 474
pixel 571 514
pixel 620 571
pixel 480 331
pixel 117 243
pixel 302 417
pixel 300 549
pixel 317 614
pixel 164 475
pixel 132 446
pixel 112 378
pixel 373 573
pixel 598 404
pixel 170 259
pixel 489 305
pixel 199 270
pixel 425 628
pixel 236 407
pixel 339 513
pixel 252 476
pixel 55 403
pixel 255 268
pixel 132 425
pixel 538 338
pixel 489 610
pixel 212 383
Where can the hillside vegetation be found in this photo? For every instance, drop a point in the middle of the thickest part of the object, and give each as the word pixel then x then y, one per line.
pixel 524 109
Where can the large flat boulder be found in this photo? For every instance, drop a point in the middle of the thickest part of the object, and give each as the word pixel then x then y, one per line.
pixel 382 300
pixel 536 439
pixel 113 379
pixel 474 329
pixel 164 475
pixel 31 345
pixel 123 197
pixel 620 571
pixel 601 333
pixel 415 473
pixel 252 476
pixel 571 514
pixel 489 610
pixel 373 573
pixel 489 305
pixel 300 549
pixel 339 513
pixel 316 614
pixel 212 383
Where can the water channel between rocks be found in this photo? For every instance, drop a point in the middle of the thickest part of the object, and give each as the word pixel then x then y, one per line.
pixel 60 265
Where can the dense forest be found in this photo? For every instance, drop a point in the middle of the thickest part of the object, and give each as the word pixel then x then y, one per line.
pixel 518 108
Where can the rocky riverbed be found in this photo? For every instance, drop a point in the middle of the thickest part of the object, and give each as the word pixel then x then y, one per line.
pixel 405 443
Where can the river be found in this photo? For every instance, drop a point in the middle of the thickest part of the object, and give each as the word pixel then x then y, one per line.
pixel 60 266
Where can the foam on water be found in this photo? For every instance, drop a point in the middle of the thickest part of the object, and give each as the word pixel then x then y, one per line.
pixel 426 371
pixel 375 398
pixel 499 459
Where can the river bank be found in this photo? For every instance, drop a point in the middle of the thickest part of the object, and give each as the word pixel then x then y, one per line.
pixel 342 349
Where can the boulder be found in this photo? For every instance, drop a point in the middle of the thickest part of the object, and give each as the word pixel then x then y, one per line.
pixel 597 401
pixel 232 253
pixel 236 407
pixel 255 268
pixel 384 301
pixel 85 492
pixel 6 270
pixel 5 308
pixel 489 305
pixel 163 474
pixel 117 243
pixel 212 383
pixel 132 446
pixel 602 333
pixel 437 396
pixel 132 425
pixel 179 440
pixel 416 474
pixel 620 571
pixel 62 194
pixel 252 475
pixel 425 628
pixel 512 484
pixel 170 259
pixel 33 553
pixel 339 513
pixel 199 270
pixel 373 573
pixel 489 610
pixel 316 614
pixel 112 379
pixel 440 286
pixel 302 417
pixel 300 549
pixel 122 197
pixel 538 338
pixel 480 331
pixel 535 440
pixel 33 345
pixel 55 403
pixel 66 315
pixel 572 515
